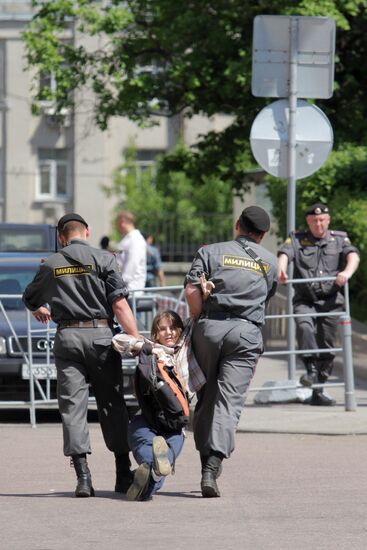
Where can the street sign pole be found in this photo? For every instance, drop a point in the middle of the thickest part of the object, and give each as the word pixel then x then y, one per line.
pixel 291 191
pixel 293 56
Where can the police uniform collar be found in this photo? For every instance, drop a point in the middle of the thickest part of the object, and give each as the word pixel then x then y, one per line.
pixel 320 240
pixel 245 238
pixel 78 241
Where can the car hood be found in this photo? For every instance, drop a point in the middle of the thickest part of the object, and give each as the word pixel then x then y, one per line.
pixel 18 320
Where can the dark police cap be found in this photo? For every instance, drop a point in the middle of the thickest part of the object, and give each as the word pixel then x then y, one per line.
pixel 72 217
pixel 256 218
pixel 316 209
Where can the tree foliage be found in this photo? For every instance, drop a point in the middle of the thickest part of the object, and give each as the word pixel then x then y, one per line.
pixel 152 57
pixel 143 58
pixel 342 184
pixel 163 202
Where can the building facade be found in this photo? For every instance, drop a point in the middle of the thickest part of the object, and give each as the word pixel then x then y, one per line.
pixel 48 168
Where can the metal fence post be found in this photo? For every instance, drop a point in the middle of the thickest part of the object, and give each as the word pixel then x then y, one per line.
pixel 32 408
pixel 350 401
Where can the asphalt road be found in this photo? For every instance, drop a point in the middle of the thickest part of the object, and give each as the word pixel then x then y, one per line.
pixel 279 491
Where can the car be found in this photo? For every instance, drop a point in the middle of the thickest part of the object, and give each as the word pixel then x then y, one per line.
pixel 28 237
pixel 16 271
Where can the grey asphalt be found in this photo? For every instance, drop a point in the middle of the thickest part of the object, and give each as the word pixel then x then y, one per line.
pixel 296 480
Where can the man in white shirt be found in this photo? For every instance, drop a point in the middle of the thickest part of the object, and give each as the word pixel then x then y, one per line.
pixel 132 252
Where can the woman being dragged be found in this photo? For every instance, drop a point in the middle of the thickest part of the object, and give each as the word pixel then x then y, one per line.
pixel 155 439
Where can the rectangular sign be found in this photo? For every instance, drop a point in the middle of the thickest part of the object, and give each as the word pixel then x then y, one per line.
pixel 271 56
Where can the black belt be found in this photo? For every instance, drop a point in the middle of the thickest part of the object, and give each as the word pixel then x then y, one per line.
pixel 224 316
pixel 91 323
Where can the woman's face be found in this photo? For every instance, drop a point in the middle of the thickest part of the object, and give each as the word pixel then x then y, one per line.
pixel 167 333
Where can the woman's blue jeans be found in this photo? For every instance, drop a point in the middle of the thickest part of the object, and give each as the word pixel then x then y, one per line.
pixel 140 437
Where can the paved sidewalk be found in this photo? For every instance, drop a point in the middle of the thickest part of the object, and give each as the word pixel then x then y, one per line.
pixel 298 417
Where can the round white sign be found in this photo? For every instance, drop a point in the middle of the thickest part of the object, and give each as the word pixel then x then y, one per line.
pixel 269 138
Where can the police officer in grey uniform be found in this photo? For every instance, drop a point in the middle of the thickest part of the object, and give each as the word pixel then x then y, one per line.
pixel 227 338
pixel 318 252
pixel 83 291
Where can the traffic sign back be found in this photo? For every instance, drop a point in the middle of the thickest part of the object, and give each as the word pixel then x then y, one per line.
pixel 271 56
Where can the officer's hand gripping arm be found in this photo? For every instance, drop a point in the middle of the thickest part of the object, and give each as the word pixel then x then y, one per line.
pixel 124 316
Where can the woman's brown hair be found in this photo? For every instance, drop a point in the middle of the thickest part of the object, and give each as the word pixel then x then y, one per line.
pixel 172 316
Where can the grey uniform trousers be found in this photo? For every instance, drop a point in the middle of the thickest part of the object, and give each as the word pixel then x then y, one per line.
pixel 227 351
pixel 84 356
pixel 318 332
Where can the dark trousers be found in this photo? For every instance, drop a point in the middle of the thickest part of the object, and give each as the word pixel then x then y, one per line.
pixel 85 356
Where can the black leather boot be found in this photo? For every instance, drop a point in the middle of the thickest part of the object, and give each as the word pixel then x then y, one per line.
pixel 84 486
pixel 310 377
pixel 204 459
pixel 211 468
pixel 124 476
pixel 319 399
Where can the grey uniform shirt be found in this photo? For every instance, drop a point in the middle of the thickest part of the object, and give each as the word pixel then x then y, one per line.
pixel 240 286
pixel 79 286
pixel 317 258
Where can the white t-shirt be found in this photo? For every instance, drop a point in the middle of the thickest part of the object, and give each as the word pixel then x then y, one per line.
pixel 132 259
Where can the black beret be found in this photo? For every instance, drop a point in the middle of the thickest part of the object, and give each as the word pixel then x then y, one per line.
pixel 72 217
pixel 317 208
pixel 256 218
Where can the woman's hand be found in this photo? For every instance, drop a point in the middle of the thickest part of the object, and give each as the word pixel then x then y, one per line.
pixel 206 286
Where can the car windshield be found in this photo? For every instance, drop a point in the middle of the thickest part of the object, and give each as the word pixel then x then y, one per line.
pixel 13 280
pixel 14 239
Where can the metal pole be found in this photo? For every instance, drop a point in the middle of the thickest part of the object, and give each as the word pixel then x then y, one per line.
pixel 346 324
pixel 32 409
pixel 291 192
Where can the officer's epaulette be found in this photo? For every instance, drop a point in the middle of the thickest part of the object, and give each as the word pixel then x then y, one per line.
pixel 338 233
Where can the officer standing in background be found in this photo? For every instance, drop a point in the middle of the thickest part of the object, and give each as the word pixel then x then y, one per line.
pixel 227 338
pixel 318 252
pixel 84 290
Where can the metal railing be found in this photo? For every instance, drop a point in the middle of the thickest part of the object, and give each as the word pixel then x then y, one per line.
pixel 145 304
pixel 346 326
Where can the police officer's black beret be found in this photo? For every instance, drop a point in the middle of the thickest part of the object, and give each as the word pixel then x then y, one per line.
pixel 317 208
pixel 256 218
pixel 72 217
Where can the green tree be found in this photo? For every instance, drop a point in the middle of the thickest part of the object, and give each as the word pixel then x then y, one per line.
pixel 171 206
pixel 341 183
pixel 163 57
pixel 160 57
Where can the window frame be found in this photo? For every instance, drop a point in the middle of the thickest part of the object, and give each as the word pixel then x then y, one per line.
pixel 53 163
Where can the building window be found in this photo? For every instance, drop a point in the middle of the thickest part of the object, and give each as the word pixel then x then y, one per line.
pixel 53 174
pixel 48 82
pixel 145 160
